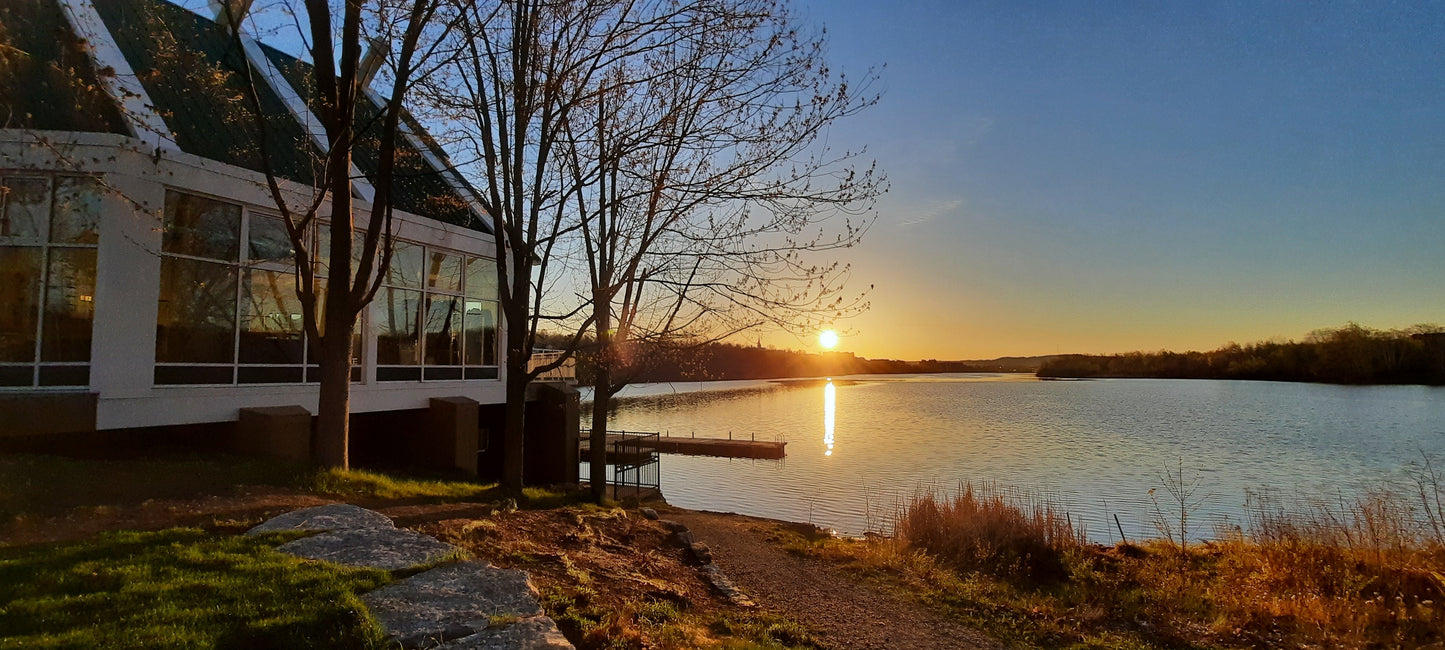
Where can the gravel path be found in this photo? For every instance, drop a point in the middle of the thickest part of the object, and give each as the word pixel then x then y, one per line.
pixel 844 614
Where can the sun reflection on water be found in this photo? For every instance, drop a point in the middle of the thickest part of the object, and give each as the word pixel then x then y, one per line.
pixel 829 396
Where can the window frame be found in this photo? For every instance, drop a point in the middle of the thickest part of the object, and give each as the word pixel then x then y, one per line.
pixel 43 242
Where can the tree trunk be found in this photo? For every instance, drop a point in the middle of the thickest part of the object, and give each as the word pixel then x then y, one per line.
pixel 514 427
pixel 601 395
pixel 333 408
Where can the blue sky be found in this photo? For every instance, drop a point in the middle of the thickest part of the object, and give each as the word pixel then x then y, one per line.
pixel 1102 177
pixel 1106 177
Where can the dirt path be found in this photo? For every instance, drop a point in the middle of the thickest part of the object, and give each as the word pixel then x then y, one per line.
pixel 844 613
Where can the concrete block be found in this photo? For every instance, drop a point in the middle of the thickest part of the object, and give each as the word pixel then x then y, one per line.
pixel 274 431
pixel 450 438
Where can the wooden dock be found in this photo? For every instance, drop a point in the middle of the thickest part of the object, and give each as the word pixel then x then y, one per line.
pixel 721 447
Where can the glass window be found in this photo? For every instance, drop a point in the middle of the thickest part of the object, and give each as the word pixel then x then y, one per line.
pixel 397 315
pixel 77 211
pixel 481 333
pixel 268 241
pixel 26 203
pixel 443 331
pixel 481 278
pixel 272 324
pixel 69 305
pixel 444 272
pixel 196 321
pixel 19 303
pixel 202 227
pixel 49 227
pixel 406 263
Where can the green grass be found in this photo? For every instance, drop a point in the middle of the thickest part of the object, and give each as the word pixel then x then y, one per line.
pixel 43 486
pixel 356 483
pixel 180 588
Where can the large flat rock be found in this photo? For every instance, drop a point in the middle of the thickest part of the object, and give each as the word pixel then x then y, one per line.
pixel 389 549
pixel 536 633
pixel 451 603
pixel 335 516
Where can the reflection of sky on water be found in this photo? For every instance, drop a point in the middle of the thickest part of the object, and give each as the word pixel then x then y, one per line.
pixel 1095 446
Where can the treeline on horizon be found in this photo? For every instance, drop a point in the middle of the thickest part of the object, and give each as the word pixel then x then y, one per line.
pixel 721 361
pixel 1351 354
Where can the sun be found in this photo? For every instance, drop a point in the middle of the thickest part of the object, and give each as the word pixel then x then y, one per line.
pixel 828 339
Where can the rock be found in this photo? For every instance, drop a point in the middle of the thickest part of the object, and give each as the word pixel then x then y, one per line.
pixel 536 633
pixel 673 526
pixel 452 603
pixel 649 513
pixel 388 549
pixel 335 516
pixel 724 586
pixel 683 538
pixel 700 552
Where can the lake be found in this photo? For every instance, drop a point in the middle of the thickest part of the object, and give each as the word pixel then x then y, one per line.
pixel 856 445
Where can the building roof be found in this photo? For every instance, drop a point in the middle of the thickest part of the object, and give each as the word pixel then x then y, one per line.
pixel 192 70
pixel 47 80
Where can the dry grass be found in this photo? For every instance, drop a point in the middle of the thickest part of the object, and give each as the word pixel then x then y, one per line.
pixel 1362 573
pixel 990 529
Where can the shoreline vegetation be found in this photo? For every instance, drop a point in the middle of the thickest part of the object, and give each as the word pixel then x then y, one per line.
pixel 1364 572
pixel 1361 573
pixel 1351 354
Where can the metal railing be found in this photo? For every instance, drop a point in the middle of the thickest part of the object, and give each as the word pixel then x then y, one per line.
pixel 565 372
pixel 632 461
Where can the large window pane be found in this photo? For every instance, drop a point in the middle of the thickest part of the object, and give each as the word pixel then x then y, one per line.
pixel 19 302
pixel 406 263
pixel 322 254
pixel 69 305
pixel 444 272
pixel 481 278
pixel 271 320
pixel 268 241
pixel 443 331
pixel 397 315
pixel 481 333
pixel 76 217
pixel 313 353
pixel 27 202
pixel 201 227
pixel 196 321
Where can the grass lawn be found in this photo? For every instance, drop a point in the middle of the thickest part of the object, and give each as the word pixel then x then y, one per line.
pixel 180 588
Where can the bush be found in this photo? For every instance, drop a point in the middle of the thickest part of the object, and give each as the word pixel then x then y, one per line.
pixel 1007 534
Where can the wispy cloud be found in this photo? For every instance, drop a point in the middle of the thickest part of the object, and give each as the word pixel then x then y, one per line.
pixel 932 212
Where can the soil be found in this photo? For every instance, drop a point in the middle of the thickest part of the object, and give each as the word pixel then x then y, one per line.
pixel 844 613
pixel 604 559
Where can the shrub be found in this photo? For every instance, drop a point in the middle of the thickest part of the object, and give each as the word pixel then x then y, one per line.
pixel 1004 533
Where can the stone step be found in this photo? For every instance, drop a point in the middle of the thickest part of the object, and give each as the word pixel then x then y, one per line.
pixel 464 605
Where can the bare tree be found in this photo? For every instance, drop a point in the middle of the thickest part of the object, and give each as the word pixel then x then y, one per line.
pixel 338 88
pixel 697 183
pixel 526 67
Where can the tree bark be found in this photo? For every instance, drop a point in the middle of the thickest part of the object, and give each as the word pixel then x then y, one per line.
pixel 514 428
pixel 601 395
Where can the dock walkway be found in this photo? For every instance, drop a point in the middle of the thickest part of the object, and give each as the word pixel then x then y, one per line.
pixel 721 447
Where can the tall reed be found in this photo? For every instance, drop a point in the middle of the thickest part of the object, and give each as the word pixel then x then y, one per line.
pixel 1005 532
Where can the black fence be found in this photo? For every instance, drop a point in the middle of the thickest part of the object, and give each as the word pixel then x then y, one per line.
pixel 632 457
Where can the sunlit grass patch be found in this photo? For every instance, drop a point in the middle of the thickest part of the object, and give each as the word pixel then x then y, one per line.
pixel 180 588
pixel 357 483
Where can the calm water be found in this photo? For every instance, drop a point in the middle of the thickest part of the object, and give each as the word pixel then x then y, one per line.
pixel 856 444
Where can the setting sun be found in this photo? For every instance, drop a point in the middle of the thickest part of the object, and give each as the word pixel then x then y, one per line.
pixel 828 339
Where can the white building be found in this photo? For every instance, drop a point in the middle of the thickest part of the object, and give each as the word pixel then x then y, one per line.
pixel 146 279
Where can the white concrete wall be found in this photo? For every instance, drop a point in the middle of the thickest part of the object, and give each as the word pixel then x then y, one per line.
pixel 128 282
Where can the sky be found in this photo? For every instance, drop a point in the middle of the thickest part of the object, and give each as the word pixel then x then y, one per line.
pixel 1073 177
pixel 1107 177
